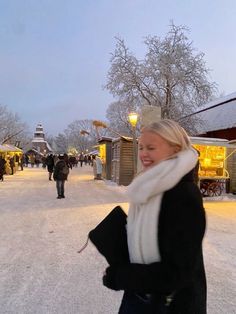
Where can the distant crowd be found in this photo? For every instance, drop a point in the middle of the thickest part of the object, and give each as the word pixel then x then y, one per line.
pixel 9 164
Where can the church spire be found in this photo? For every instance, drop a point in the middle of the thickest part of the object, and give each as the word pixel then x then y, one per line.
pixel 39 134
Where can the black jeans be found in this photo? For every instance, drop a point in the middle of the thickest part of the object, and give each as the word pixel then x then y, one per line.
pixel 141 304
pixel 60 187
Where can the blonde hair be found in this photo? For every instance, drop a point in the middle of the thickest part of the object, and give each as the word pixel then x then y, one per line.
pixel 170 131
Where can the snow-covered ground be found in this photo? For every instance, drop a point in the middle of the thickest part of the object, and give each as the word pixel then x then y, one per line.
pixel 41 271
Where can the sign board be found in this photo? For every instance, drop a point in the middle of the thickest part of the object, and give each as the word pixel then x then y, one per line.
pixel 150 114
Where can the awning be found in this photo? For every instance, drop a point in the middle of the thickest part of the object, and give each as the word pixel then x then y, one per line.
pixel 208 141
pixel 10 148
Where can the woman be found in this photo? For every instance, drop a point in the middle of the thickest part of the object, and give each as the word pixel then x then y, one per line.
pixel 165 229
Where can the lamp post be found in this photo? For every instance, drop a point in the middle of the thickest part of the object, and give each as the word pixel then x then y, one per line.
pixel 133 118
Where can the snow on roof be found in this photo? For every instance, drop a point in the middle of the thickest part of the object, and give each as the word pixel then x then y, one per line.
pixel 35 151
pixel 48 147
pixel 209 141
pixel 38 140
pixel 221 117
pixel 9 148
pixel 219 100
pixel 126 138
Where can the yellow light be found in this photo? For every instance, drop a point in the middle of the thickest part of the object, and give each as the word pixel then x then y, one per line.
pixel 207 162
pixel 133 118
pixel 102 152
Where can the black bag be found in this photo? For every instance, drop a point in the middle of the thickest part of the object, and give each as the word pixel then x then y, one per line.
pixel 110 237
pixel 65 170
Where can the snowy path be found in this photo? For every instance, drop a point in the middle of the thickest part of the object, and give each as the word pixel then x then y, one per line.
pixel 220 257
pixel 40 269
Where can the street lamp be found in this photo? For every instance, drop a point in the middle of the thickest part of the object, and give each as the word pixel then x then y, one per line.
pixel 133 118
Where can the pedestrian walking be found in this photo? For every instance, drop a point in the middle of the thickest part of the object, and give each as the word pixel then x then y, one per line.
pixel 60 174
pixel 2 168
pixel 26 160
pixel 68 163
pixel 12 164
pixel 89 160
pixel 21 162
pixel 43 159
pixel 97 167
pixel 85 159
pixel 165 229
pixel 81 159
pixel 50 166
pixel 32 160
pixel 37 160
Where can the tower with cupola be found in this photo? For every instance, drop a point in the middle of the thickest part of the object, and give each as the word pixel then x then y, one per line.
pixel 39 143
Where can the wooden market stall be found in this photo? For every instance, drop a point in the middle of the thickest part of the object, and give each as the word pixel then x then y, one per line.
pixel 8 152
pixel 214 173
pixel 105 152
pixel 122 161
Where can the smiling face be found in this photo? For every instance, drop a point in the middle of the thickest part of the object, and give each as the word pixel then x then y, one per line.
pixel 153 149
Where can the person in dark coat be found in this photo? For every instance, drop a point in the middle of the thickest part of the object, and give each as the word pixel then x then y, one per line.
pixel 26 160
pixel 68 163
pixel 2 168
pixel 50 166
pixel 89 159
pixel 21 162
pixel 43 159
pixel 165 229
pixel 81 159
pixel 60 174
pixel 12 164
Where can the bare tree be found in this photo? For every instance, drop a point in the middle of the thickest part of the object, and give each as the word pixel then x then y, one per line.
pixel 125 78
pixel 117 115
pixel 172 75
pixel 60 144
pixel 80 135
pixel 12 129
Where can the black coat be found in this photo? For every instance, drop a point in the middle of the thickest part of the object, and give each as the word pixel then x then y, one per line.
pixel 58 174
pixel 2 166
pixel 50 163
pixel 181 270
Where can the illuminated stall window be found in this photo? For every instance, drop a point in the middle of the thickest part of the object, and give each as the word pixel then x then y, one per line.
pixel 211 160
pixel 102 152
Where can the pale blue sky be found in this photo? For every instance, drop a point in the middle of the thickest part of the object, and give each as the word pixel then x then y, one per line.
pixel 54 54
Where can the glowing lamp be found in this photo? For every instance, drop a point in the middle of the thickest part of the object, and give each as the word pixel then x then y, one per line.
pixel 133 118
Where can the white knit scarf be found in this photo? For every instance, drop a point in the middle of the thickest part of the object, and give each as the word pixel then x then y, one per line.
pixel 145 194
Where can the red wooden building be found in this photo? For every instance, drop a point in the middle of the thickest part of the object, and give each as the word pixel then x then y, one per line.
pixel 219 118
pixel 219 121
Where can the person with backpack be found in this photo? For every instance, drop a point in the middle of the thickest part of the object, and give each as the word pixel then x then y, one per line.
pixel 60 174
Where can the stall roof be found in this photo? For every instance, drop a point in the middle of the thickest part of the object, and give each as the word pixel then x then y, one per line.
pixel 3 148
pixel 213 141
pixel 34 151
pixel 125 138
pixel 219 114
pixel 9 148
